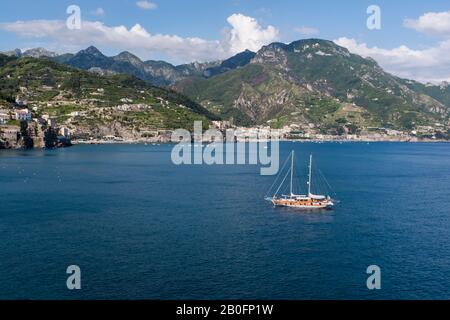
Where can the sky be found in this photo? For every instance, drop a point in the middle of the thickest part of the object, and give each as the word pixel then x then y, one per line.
pixel 413 40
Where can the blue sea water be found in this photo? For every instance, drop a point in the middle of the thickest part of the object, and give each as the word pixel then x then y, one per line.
pixel 140 227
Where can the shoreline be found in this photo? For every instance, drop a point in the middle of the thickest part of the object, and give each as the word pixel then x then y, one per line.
pixel 319 141
pixel 100 142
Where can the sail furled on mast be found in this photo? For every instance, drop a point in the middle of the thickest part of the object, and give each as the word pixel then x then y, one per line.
pixel 292 171
pixel 310 175
pixel 306 201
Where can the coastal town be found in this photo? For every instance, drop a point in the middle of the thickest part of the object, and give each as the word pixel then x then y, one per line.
pixel 21 128
pixel 24 125
pixel 47 104
pixel 311 133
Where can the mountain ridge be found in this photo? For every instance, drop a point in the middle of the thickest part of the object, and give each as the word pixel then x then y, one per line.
pixel 34 53
pixel 315 82
pixel 309 82
pixel 90 105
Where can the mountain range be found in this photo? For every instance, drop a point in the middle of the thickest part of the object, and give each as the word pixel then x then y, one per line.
pixel 317 83
pixel 34 53
pixel 310 83
pixel 92 105
pixel 158 73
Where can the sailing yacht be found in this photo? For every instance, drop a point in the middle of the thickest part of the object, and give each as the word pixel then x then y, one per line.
pixel 292 200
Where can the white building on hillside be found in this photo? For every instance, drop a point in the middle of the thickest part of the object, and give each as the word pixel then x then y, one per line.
pixel 51 123
pixel 23 115
pixel 4 116
pixel 64 131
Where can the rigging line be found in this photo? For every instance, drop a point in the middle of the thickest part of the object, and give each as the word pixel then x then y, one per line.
pixel 326 181
pixel 323 185
pixel 287 174
pixel 294 177
pixel 278 177
pixel 319 182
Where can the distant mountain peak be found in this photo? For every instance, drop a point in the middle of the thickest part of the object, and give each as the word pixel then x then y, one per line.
pixel 92 51
pixel 317 81
pixel 316 45
pixel 89 58
pixel 444 85
pixel 13 53
pixel 127 56
pixel 273 46
pixel 39 52
pixel 34 53
pixel 239 60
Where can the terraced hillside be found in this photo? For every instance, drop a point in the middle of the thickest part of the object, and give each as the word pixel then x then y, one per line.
pixel 92 104
pixel 317 83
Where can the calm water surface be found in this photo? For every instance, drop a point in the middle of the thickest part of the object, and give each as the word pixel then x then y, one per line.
pixel 142 228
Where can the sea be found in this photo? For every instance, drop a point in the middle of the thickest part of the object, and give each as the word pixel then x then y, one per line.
pixel 140 227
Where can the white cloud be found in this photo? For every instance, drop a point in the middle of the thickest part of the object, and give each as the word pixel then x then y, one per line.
pixel 146 5
pixel 431 64
pixel 99 12
pixel 436 23
pixel 307 31
pixel 117 38
pixel 426 65
pixel 246 33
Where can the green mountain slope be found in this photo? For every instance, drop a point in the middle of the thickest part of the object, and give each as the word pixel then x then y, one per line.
pixel 315 83
pixel 439 92
pixel 60 91
pixel 159 73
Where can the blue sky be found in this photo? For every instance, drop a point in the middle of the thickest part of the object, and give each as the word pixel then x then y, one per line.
pixel 26 23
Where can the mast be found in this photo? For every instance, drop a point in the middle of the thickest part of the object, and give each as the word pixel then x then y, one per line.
pixel 310 175
pixel 292 170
